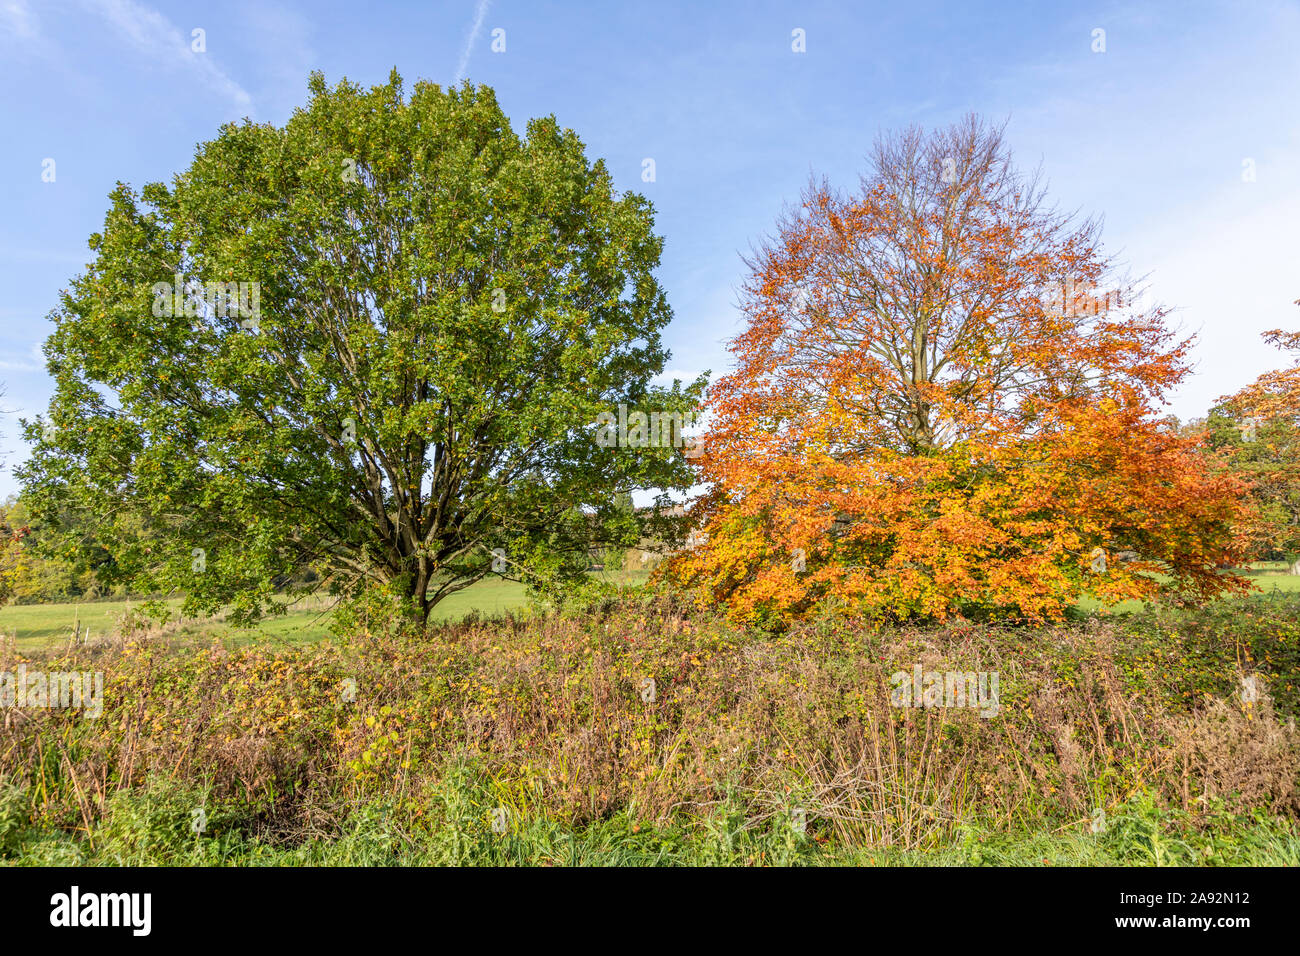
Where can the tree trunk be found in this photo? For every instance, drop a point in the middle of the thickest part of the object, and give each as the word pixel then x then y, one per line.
pixel 1295 568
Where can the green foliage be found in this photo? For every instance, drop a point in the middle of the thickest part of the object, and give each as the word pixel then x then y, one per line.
pixel 1198 652
pixel 30 574
pixel 443 308
pixel 13 816
pixel 1265 452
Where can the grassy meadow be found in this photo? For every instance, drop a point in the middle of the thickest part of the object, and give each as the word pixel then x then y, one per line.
pixel 43 626
pixel 37 626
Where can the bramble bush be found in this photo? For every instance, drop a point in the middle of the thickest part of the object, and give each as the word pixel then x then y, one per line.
pixel 552 719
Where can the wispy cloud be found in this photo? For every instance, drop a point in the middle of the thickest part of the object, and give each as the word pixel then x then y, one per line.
pixel 479 13
pixel 16 19
pixel 162 41
pixel 33 361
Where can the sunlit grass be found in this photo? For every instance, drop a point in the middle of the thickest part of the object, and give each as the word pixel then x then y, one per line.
pixel 43 625
pixel 1266 576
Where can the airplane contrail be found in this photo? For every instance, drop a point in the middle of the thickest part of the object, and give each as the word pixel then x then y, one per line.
pixel 479 14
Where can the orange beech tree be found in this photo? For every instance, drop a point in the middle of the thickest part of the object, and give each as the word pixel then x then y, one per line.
pixel 935 412
pixel 1259 430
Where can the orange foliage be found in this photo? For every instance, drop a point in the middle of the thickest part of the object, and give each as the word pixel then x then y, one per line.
pixel 924 421
pixel 1274 394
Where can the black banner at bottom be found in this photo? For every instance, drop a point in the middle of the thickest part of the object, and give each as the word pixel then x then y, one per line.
pixel 333 906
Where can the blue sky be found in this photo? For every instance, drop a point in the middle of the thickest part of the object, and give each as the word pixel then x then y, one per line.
pixel 1153 134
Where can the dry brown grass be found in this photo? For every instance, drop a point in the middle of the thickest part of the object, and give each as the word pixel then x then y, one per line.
pixel 551 713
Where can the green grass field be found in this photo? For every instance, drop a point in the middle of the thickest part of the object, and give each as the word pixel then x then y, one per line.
pixel 37 626
pixel 1267 576
pixel 41 625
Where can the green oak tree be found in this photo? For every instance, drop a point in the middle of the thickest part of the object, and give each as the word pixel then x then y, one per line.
pixel 375 342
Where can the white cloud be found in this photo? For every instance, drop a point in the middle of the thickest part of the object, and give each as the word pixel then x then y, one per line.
pixel 162 41
pixel 33 362
pixel 16 19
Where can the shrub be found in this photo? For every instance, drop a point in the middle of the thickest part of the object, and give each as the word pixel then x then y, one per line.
pixel 555 720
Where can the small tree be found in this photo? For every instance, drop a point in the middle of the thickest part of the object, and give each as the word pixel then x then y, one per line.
pixel 1259 429
pixel 945 402
pixel 375 342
